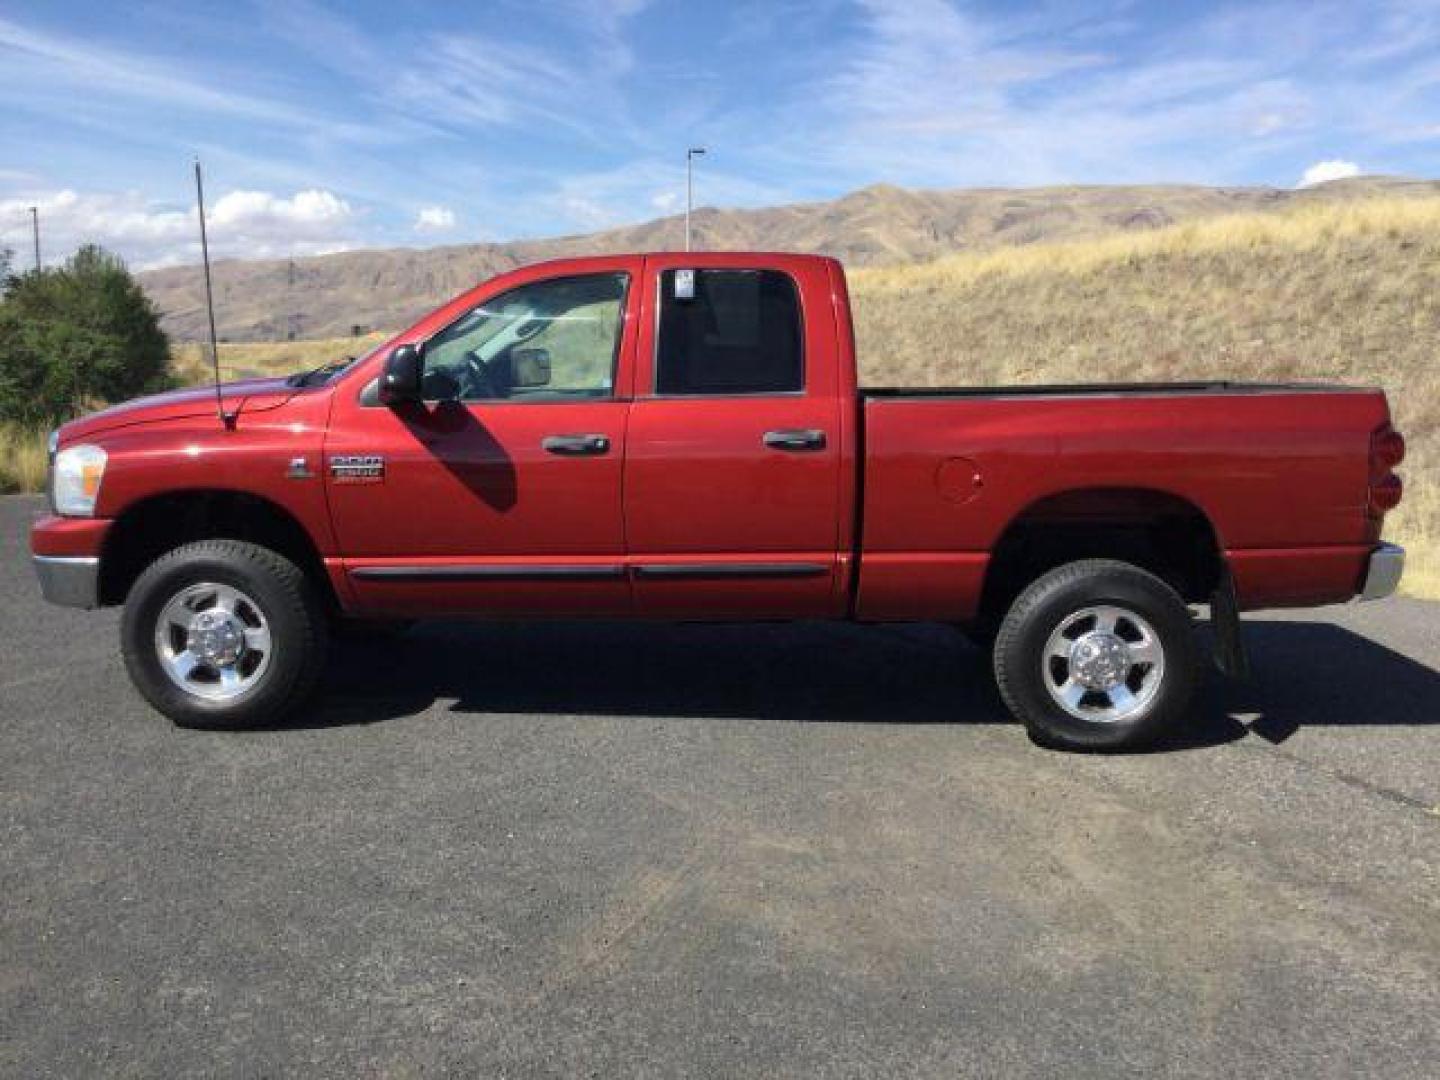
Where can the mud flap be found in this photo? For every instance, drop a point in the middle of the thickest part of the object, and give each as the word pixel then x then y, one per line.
pixel 1230 655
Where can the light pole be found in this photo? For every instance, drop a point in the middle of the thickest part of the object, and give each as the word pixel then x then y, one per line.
pixel 35 221
pixel 690 156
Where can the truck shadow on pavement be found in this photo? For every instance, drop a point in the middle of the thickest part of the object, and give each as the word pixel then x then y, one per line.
pixel 1317 674
pixel 1306 674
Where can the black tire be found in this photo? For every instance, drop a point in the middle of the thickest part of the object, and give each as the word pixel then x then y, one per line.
pixel 1022 668
pixel 295 617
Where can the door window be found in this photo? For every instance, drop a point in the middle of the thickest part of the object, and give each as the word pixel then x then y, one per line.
pixel 728 332
pixel 554 340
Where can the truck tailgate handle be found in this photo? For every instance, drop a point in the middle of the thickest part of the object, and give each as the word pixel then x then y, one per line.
pixel 576 445
pixel 796 440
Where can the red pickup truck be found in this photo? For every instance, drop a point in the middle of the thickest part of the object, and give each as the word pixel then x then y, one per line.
pixel 681 436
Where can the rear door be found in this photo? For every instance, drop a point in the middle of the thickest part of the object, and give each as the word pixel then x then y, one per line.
pixel 733 473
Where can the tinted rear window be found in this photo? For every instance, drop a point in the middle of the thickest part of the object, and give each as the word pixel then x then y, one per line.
pixel 739 334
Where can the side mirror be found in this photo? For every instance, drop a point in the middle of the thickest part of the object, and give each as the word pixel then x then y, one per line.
pixel 404 369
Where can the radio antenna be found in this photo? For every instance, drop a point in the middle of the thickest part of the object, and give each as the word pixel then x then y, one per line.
pixel 228 419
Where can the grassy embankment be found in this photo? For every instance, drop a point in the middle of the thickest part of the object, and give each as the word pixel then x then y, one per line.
pixel 22 458
pixel 1338 292
pixel 1330 292
pixel 247 359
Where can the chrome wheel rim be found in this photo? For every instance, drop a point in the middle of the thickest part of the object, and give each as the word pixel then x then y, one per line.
pixel 1103 664
pixel 213 641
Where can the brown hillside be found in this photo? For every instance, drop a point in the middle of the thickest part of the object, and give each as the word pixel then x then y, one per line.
pixel 877 226
pixel 1330 293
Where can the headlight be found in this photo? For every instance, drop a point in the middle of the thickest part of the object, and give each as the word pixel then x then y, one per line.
pixel 78 472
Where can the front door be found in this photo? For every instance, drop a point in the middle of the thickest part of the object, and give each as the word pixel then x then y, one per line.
pixel 733 485
pixel 501 493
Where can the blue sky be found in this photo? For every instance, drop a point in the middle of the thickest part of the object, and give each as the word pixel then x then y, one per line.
pixel 327 127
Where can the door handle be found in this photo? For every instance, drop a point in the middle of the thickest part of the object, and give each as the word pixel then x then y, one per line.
pixel 796 440
pixel 576 445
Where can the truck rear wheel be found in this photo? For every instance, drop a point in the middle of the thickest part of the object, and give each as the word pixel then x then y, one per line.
pixel 224 634
pixel 1097 654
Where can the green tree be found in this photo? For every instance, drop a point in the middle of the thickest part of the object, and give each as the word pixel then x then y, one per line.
pixel 77 336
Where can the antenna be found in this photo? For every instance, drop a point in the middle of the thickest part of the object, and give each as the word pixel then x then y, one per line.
pixel 228 419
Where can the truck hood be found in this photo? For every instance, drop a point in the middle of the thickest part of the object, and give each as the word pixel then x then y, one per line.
pixel 245 396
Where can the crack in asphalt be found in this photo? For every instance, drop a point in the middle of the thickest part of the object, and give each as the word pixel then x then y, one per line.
pixel 1369 787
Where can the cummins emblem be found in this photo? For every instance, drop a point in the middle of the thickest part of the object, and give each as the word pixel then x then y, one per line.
pixel 357 468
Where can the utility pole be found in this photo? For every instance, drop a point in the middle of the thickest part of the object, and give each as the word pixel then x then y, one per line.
pixel 294 327
pixel 690 156
pixel 35 221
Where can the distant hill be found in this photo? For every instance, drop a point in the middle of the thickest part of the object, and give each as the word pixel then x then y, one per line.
pixel 876 226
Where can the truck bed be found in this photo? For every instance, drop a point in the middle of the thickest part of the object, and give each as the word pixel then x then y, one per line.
pixel 1146 389
pixel 1280 476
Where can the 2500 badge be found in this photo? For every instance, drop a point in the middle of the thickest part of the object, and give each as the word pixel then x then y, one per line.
pixel 357 468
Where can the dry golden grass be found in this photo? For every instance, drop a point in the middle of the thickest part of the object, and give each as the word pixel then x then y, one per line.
pixel 22 458
pixel 243 360
pixel 1328 292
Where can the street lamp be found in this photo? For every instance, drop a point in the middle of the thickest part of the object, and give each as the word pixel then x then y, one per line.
pixel 690 156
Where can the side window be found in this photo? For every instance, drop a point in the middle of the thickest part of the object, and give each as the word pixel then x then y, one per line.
pixel 729 332
pixel 553 340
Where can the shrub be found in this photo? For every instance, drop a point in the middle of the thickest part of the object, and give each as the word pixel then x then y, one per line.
pixel 75 336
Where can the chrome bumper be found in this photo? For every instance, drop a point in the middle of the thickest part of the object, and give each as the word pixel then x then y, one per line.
pixel 69 581
pixel 1387 563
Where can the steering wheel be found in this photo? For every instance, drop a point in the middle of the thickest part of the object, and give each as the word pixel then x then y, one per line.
pixel 477 381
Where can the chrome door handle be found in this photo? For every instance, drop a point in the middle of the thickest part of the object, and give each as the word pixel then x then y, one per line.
pixel 796 441
pixel 576 445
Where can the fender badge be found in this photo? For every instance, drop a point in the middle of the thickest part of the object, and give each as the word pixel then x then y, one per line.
pixel 357 468
pixel 299 470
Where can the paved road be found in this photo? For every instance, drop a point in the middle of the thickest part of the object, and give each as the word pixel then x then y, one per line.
pixel 811 851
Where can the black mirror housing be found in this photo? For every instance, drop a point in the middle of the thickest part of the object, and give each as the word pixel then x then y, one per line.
pixel 404 369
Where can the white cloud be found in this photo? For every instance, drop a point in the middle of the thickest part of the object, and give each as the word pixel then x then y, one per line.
pixel 1322 172
pixel 1268 124
pixel 244 224
pixel 310 211
pixel 665 201
pixel 434 219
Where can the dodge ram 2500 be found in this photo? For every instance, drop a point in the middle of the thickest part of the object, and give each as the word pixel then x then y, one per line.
pixel 681 436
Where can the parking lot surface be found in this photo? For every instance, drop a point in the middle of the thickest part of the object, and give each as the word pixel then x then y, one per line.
pixel 626 850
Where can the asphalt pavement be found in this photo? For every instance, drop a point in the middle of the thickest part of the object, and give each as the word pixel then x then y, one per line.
pixel 630 850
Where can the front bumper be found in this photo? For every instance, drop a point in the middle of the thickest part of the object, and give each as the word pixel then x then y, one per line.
pixel 66 554
pixel 69 580
pixel 1383 572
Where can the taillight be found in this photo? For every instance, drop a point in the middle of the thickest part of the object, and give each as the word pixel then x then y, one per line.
pixel 1387 449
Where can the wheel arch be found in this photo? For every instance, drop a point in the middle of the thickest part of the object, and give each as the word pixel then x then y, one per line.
pixel 1159 531
pixel 147 529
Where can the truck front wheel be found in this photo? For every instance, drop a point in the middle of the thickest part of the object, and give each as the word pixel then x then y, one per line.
pixel 1097 654
pixel 224 634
